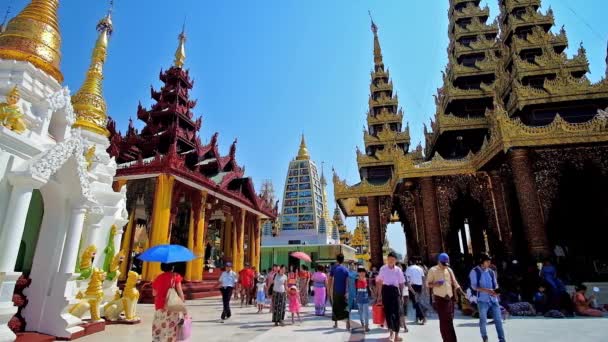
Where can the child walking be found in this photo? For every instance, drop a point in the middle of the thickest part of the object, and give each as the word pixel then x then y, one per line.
pixel 260 294
pixel 294 303
pixel 363 293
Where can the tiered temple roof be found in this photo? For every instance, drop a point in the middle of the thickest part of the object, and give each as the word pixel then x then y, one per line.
pixel 473 59
pixel 344 235
pixel 536 70
pixel 170 143
pixel 360 241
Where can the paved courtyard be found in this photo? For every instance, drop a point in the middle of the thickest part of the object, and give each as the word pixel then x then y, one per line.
pixel 247 325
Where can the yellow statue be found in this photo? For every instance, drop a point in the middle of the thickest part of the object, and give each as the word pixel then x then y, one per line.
pixel 92 297
pixel 89 156
pixel 11 116
pixel 126 304
pixel 114 271
pixel 86 262
pixel 130 296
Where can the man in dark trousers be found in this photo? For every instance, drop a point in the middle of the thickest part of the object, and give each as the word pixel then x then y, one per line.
pixel 442 281
pixel 227 282
pixel 338 290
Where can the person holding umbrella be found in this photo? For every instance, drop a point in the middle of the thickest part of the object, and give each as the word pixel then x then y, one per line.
pixel 227 282
pixel 165 324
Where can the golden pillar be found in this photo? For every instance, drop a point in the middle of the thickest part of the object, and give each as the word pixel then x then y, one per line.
pixel 161 216
pixel 234 233
pixel 250 243
pixel 228 236
pixel 188 276
pixel 199 240
pixel 257 242
pixel 126 244
pixel 118 184
pixel 241 240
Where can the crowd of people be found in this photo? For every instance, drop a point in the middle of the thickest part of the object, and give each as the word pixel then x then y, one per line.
pixel 349 287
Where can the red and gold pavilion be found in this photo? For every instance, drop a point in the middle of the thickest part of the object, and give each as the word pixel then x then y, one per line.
pixel 180 190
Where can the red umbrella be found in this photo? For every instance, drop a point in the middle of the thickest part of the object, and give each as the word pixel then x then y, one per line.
pixel 302 256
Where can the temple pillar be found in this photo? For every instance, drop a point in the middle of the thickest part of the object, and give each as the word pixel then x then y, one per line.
pixel 200 232
pixel 529 204
pixel 250 241
pixel 188 276
pixel 375 232
pixel 241 240
pixel 161 217
pixel 126 246
pixel 69 256
pixel 500 207
pixel 228 237
pixel 118 184
pixel 419 216
pixel 431 218
pixel 257 242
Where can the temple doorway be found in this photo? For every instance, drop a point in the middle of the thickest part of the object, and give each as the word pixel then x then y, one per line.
pixel 469 233
pixel 578 222
pixel 30 234
pixel 180 231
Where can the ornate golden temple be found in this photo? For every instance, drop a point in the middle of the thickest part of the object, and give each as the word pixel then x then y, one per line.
pixel 516 153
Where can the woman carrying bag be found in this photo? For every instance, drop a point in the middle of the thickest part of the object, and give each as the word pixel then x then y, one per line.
pixel 168 303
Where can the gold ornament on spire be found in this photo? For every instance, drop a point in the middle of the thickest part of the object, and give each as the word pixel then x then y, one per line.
pixel 303 151
pixel 180 53
pixel 33 36
pixel 377 49
pixel 89 104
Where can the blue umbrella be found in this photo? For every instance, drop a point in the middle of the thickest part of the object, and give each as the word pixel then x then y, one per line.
pixel 167 254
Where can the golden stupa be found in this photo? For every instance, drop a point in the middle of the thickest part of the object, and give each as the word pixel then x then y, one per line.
pixel 303 151
pixel 33 36
pixel 88 102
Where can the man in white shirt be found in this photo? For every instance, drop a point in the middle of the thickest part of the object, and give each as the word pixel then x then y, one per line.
pixel 227 282
pixel 415 278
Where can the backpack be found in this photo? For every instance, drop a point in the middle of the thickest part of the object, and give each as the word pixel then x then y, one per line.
pixel 478 274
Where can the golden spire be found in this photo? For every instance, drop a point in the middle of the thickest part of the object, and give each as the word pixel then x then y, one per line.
pixel 180 53
pixel 89 104
pixel 33 36
pixel 377 49
pixel 303 151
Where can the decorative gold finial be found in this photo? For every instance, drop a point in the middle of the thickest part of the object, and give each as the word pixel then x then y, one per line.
pixel 11 116
pixel 33 36
pixel 180 53
pixel 89 104
pixel 303 151
pixel 377 49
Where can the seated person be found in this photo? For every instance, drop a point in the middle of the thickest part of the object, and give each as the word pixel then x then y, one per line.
pixel 540 300
pixel 582 304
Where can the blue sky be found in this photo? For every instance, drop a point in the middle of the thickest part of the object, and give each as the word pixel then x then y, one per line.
pixel 267 71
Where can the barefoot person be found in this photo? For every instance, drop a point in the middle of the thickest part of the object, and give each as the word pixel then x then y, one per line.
pixel 443 283
pixel 390 283
pixel 319 280
pixel 338 284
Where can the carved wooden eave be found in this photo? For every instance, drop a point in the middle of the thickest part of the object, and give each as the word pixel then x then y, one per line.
pixel 387 136
pixel 482 44
pixel 384 101
pixel 454 3
pixel 449 93
pixel 382 86
pixel 510 5
pixel 539 38
pixel 362 189
pixel 450 122
pixel 475 28
pixel 513 133
pixel 532 17
pixel 379 74
pixel 550 62
pixel 385 117
pixel 488 65
pixel 407 168
pixel 380 157
pixel 470 10
pixel 563 88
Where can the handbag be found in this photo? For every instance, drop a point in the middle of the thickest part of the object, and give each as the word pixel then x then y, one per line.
pixel 184 330
pixel 173 303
